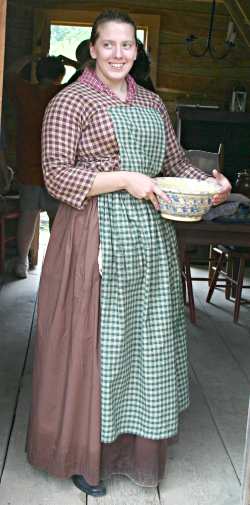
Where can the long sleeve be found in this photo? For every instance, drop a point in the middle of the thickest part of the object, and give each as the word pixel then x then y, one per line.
pixel 68 177
pixel 176 163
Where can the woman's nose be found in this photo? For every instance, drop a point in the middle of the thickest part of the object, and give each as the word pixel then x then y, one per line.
pixel 118 51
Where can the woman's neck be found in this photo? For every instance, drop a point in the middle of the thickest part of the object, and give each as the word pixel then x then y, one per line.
pixel 119 88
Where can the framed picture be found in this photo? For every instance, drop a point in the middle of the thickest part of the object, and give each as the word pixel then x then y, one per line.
pixel 239 101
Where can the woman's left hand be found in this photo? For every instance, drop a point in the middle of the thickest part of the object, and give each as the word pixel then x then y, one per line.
pixel 225 185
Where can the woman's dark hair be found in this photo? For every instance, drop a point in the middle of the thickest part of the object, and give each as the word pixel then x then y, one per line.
pixel 49 67
pixel 82 52
pixel 107 16
pixel 140 70
pixel 141 66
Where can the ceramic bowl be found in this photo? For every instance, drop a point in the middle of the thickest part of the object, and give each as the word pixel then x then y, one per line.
pixel 190 199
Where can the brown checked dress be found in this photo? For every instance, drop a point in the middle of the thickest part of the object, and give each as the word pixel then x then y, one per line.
pixel 110 368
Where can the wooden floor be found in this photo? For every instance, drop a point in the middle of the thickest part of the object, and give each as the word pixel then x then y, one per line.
pixel 204 467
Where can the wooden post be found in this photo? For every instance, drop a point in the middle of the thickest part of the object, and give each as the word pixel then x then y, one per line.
pixel 246 466
pixel 3 7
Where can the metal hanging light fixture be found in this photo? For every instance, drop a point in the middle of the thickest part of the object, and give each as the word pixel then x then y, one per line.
pixel 229 42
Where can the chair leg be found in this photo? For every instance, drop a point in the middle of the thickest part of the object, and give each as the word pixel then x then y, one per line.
pixel 215 277
pixel 229 270
pixel 190 291
pixel 239 289
pixel 235 275
pixel 211 263
pixel 183 280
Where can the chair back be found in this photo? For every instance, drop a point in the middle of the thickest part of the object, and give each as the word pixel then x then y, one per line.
pixel 205 160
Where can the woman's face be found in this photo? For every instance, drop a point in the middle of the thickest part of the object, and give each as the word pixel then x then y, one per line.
pixel 114 51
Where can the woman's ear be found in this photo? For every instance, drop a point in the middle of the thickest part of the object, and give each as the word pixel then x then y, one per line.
pixel 92 52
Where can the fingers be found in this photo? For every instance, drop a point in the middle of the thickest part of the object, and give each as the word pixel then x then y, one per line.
pixel 222 195
pixel 161 193
pixel 152 196
pixel 225 185
pixel 145 188
pixel 154 201
pixel 220 198
pixel 222 181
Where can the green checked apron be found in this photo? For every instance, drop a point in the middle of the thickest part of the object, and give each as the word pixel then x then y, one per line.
pixel 144 379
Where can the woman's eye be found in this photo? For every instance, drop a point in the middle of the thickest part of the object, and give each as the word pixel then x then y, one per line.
pixel 107 45
pixel 127 45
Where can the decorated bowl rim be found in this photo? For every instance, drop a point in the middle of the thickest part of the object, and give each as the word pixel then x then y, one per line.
pixel 189 193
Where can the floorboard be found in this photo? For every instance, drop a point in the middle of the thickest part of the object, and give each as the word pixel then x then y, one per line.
pixel 224 385
pixel 17 300
pixel 121 491
pixel 199 471
pixel 220 371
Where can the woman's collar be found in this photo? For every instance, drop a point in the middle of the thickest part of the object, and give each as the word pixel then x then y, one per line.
pixel 91 80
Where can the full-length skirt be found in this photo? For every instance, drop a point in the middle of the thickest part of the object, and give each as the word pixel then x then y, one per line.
pixel 64 429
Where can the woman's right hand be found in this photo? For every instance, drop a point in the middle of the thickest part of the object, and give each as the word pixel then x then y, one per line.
pixel 143 187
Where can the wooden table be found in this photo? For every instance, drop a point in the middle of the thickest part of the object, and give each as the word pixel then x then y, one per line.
pixel 209 232
pixel 206 233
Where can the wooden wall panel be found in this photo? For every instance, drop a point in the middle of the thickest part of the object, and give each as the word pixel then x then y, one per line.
pixel 185 23
pixel 205 86
pixel 176 52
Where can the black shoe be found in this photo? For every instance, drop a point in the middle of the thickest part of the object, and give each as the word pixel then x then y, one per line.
pixel 82 484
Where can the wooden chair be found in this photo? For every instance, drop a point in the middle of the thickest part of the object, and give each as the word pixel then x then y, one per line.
pixel 207 162
pixel 231 265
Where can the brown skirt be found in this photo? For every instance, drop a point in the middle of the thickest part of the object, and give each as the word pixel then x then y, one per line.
pixel 64 429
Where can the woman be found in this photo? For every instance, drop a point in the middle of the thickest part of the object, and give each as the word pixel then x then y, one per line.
pixel 110 371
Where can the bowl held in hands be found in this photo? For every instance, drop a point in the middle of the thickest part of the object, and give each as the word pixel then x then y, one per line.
pixel 189 199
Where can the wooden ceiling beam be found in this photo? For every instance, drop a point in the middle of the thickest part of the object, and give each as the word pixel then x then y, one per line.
pixel 236 13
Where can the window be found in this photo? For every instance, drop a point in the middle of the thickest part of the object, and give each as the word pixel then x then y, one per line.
pixel 64 39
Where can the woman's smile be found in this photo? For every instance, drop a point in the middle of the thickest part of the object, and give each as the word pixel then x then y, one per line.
pixel 117 66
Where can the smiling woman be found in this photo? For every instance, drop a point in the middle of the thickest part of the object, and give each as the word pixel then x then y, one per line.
pixel 110 372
